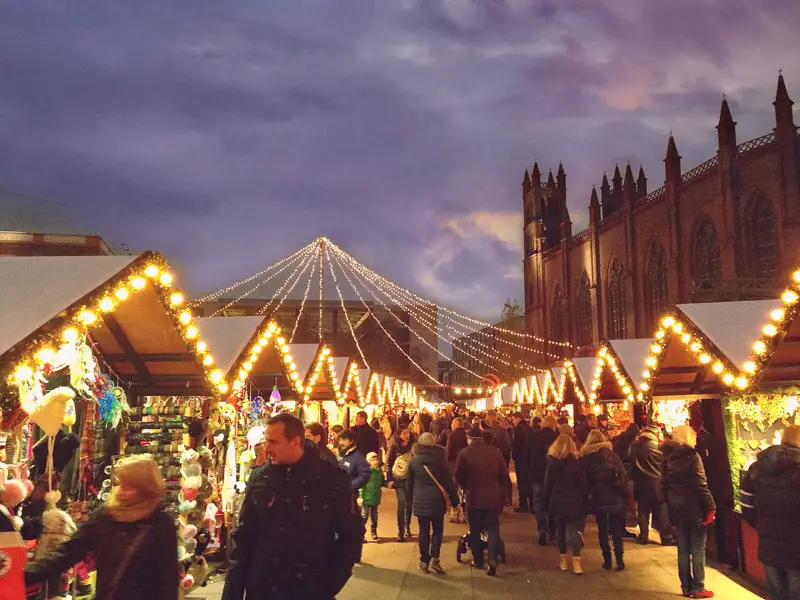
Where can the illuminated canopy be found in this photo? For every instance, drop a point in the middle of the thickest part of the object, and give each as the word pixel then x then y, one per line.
pixel 619 370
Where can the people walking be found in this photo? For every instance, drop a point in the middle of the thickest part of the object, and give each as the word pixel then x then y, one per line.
pixel 770 499
pixel 456 441
pixel 566 496
pixel 370 495
pixel 316 433
pixel 608 489
pixel 367 439
pixel 352 461
pixel 430 486
pixel 541 440
pixel 131 537
pixel 691 508
pixel 646 458
pixel 520 452
pixel 481 472
pixel 397 462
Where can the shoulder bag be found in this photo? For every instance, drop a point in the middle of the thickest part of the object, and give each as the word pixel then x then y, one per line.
pixel 126 560
pixel 448 506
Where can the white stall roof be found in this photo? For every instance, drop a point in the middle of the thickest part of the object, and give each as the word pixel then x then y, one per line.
pixel 303 356
pixel 632 354
pixel 227 337
pixel 585 367
pixel 363 377
pixel 35 289
pixel 558 377
pixel 733 327
pixel 542 381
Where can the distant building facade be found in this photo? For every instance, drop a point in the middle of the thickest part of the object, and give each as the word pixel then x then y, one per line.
pixel 415 340
pixel 497 350
pixel 20 243
pixel 727 229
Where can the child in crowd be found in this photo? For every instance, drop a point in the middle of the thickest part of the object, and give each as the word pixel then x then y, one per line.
pixel 370 495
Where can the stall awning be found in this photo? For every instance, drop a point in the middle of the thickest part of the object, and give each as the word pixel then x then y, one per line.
pixel 619 370
pixel 127 306
pixel 228 337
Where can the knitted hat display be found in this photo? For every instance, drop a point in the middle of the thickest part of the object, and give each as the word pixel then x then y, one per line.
pixel 49 413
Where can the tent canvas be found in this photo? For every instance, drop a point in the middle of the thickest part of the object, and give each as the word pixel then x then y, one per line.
pixel 585 367
pixel 35 289
pixel 559 374
pixel 632 355
pixel 304 355
pixel 340 365
pixel 732 327
pixel 227 337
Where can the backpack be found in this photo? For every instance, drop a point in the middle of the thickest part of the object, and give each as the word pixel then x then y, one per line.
pixel 400 467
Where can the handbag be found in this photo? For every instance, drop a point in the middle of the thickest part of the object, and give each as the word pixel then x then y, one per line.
pixel 447 505
pixel 126 559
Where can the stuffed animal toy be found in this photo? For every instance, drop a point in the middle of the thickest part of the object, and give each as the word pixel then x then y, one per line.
pixel 12 494
pixel 57 526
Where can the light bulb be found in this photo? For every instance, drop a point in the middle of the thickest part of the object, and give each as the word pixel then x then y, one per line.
pixel 23 373
pixel 166 279
pixel 185 317
pixel 70 335
pixel 750 366
pixel 216 375
pixel 176 299
pixel 202 346
pixel 223 388
pixel 138 283
pixel 727 378
pixel 759 347
pixel 770 330
pixel 151 271
pixel 191 332
pixel 87 317
pixel 789 297
pixel 122 293
pixel 106 304
pixel 46 355
pixel 741 382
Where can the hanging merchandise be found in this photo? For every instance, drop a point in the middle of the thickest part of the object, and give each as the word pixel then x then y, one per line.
pixel 275 396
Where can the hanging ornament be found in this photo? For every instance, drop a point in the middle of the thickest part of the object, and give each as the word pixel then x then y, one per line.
pixel 69 414
pixel 275 396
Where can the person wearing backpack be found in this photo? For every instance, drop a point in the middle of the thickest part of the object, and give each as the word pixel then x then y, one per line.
pixel 397 463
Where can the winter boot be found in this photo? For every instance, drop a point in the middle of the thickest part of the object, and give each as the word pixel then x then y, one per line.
pixel 562 564
pixel 577 566
pixel 436 566
pixel 401 536
pixel 408 531
pixel 543 539
pixel 424 567
pixel 492 569
pixel 607 561
pixel 374 535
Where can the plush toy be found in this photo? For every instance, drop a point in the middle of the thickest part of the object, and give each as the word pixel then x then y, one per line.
pixel 12 494
pixel 57 526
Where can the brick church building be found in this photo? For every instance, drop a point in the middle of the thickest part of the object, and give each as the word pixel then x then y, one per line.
pixel 727 229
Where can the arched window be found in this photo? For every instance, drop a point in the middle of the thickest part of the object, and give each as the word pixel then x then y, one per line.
pixel 761 237
pixel 655 283
pixel 584 304
pixel 706 260
pixel 617 309
pixel 559 316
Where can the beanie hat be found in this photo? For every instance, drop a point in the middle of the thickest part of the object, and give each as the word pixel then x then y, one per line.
pixel 475 434
pixel 370 455
pixel 427 439
pixel 48 414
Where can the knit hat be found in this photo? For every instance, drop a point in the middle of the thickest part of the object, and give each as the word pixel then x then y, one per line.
pixel 370 455
pixel 475 434
pixel 427 439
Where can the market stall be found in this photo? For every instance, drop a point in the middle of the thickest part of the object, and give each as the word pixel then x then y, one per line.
pixel 618 380
pixel 577 387
pixel 702 353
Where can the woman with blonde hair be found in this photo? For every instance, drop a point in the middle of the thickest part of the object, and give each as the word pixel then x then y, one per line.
pixel 132 537
pixel 566 495
pixel 691 508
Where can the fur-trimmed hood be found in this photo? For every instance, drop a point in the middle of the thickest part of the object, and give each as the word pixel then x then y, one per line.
pixel 591 448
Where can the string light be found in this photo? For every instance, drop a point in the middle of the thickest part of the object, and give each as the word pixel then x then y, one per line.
pixel 481 324
pixel 291 281
pixel 344 310
pixel 302 306
pixel 607 360
pixel 225 290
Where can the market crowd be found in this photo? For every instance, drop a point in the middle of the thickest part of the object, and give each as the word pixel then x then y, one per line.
pixel 314 502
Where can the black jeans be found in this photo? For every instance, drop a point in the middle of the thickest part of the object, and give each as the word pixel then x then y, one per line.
pixel 403 507
pixel 524 485
pixel 545 524
pixel 481 519
pixel 370 513
pixel 570 532
pixel 615 525
pixel 652 509
pixel 430 546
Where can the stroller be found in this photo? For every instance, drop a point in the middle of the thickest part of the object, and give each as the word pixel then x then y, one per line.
pixel 463 548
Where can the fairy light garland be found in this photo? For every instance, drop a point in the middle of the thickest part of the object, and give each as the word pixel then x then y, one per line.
pixel 302 306
pixel 414 333
pixel 221 292
pixel 403 352
pixel 477 322
pixel 739 380
pixel 577 386
pixel 246 294
pixel 354 381
pixel 457 336
pixel 39 349
pixel 292 279
pixel 344 310
pixel 607 360
pixel 426 324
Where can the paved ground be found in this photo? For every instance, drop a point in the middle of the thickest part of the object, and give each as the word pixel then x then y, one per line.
pixel 390 570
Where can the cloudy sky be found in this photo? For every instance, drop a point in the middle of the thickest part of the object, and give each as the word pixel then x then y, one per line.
pixel 228 134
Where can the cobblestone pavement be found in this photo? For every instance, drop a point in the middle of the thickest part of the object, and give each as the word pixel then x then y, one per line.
pixel 390 570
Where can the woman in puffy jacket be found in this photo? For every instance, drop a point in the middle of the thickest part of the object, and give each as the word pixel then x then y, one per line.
pixel 608 486
pixel 691 508
pixel 566 496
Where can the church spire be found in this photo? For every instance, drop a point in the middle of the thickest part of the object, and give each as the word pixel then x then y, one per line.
pixel 783 106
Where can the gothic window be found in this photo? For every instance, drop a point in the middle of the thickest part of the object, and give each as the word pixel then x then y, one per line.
pixel 559 316
pixel 655 283
pixel 706 260
pixel 617 309
pixel 584 304
pixel 762 243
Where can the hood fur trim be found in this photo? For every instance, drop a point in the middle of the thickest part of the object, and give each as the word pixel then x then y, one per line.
pixel 591 448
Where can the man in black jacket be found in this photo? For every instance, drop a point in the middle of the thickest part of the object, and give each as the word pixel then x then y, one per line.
pixel 316 433
pixel 646 459
pixel 770 499
pixel 299 532
pixel 520 452
pixel 366 437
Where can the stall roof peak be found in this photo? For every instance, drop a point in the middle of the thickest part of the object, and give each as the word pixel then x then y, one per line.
pixel 632 355
pixel 227 337
pixel 731 326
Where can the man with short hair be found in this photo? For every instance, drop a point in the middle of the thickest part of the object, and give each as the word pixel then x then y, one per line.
pixel 316 433
pixel 521 454
pixel 299 533
pixel 352 461
pixel 366 437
